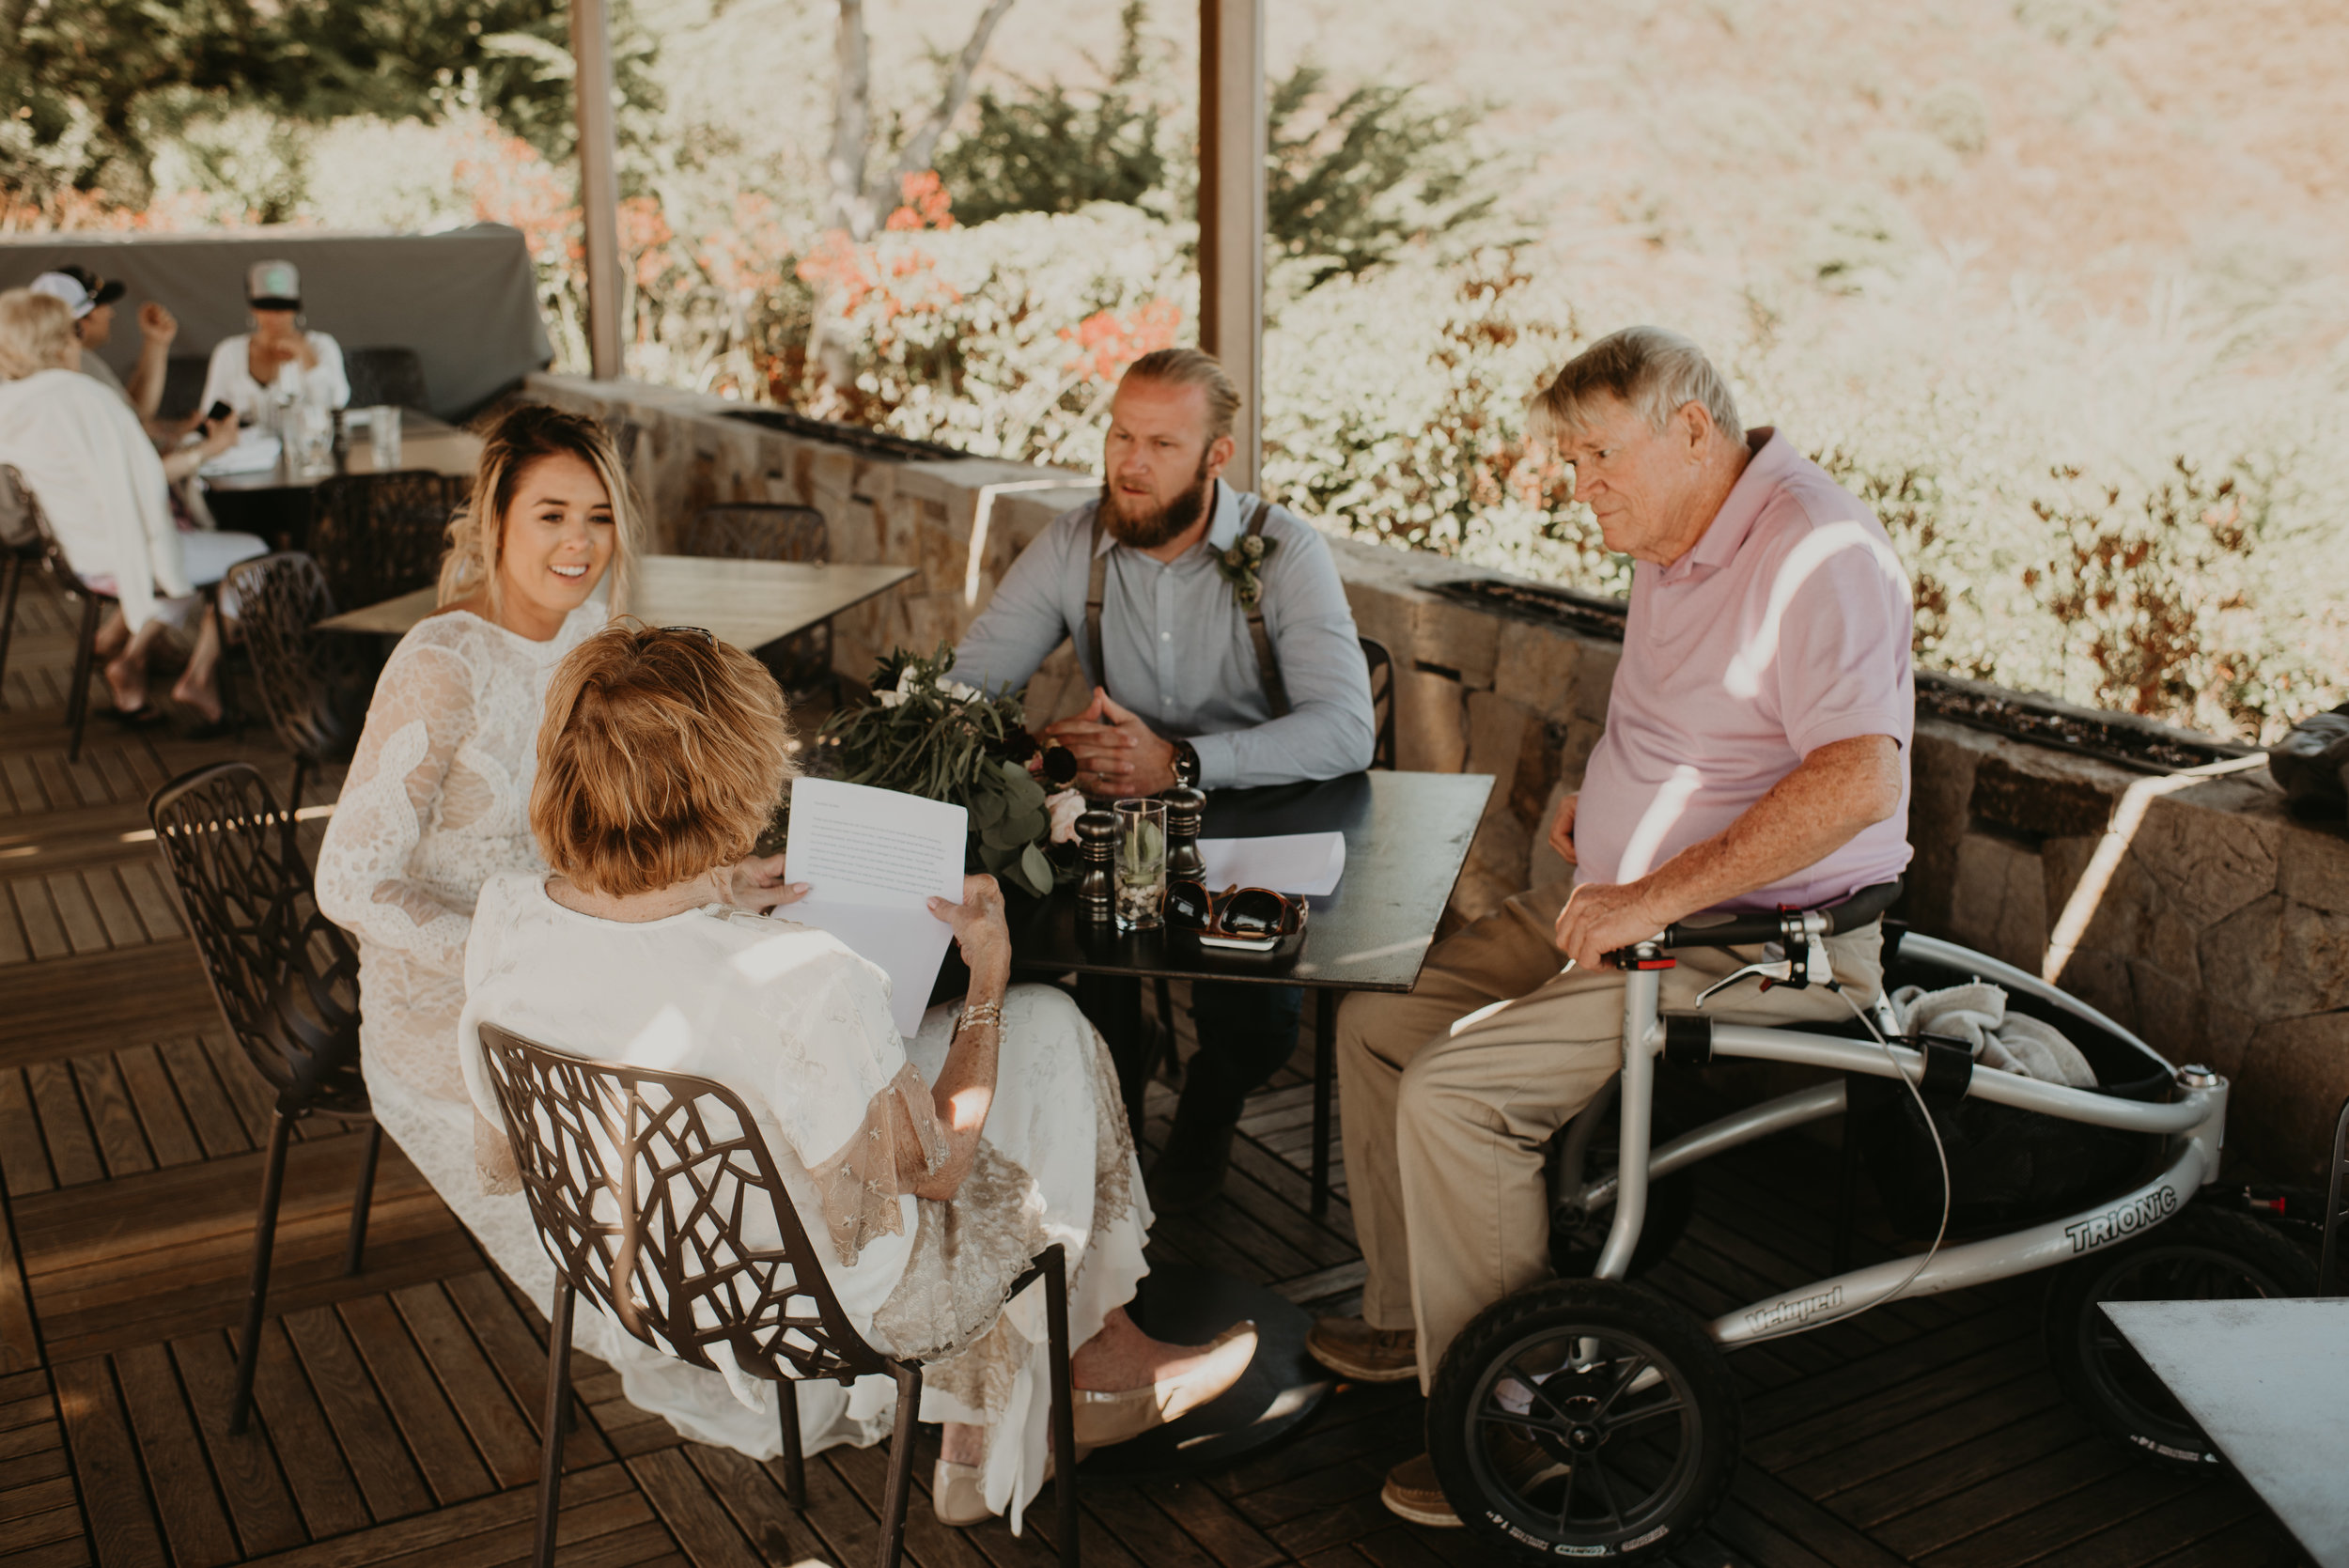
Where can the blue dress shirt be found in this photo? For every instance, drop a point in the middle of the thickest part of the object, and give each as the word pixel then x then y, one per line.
pixel 1177 646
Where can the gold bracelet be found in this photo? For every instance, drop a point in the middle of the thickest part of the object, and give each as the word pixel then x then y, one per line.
pixel 985 1012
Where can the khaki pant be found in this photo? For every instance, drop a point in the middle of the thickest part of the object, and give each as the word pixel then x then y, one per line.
pixel 1448 1094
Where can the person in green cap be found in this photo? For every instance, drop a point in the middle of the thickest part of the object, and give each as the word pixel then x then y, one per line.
pixel 279 360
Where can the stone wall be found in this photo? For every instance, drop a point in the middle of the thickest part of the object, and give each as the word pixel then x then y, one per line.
pixel 2192 908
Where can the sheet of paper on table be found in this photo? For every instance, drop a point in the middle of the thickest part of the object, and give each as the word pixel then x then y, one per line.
pixel 256 452
pixel 1286 863
pixel 872 859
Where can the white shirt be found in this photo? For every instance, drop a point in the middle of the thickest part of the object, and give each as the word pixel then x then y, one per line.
pixel 230 378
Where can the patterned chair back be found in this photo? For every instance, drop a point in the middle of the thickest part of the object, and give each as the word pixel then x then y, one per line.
pixel 286 976
pixel 640 1183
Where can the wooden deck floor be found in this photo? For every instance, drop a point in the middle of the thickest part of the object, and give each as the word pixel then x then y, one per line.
pixel 396 1412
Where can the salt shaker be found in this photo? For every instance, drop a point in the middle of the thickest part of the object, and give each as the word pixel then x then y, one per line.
pixel 1097 874
pixel 1186 809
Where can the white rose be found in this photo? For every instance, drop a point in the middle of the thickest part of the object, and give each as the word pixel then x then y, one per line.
pixel 1064 807
pixel 891 699
pixel 956 690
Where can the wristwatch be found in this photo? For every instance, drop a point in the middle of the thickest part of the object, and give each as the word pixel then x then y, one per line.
pixel 1186 765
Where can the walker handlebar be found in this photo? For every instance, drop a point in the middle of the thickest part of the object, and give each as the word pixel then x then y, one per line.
pixel 1866 905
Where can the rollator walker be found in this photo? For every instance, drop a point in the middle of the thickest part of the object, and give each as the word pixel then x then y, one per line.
pixel 1595 1418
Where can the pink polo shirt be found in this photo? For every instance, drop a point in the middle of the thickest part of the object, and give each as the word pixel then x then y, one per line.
pixel 1786 628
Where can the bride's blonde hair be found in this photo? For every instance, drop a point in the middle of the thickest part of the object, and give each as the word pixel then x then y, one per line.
pixel 521 437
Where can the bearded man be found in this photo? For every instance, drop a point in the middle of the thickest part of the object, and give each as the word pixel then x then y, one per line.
pixel 1194 681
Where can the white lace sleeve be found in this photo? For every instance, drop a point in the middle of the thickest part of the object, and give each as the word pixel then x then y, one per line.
pixel 857 1188
pixel 422 712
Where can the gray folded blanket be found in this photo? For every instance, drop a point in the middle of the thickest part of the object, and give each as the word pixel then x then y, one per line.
pixel 2008 1042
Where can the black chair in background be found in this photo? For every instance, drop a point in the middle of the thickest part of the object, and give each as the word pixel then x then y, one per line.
pixel 1381 664
pixel 94 605
pixel 185 376
pixel 755 531
pixel 672 1268
pixel 379 536
pixel 385 376
pixel 286 979
pixel 314 689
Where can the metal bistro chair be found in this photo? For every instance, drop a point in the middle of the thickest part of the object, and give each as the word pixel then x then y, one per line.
pixel 84 642
pixel 288 982
pixel 1381 664
pixel 670 1265
pixel 314 688
pixel 22 537
pixel 750 531
pixel 379 536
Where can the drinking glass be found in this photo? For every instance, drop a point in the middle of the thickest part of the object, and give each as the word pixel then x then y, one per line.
pixel 1141 864
pixel 383 436
pixel 314 428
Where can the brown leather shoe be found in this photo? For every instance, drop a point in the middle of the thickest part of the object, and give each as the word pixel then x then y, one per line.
pixel 1352 1348
pixel 1411 1492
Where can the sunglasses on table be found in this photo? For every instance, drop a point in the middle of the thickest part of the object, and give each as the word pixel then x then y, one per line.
pixel 1236 911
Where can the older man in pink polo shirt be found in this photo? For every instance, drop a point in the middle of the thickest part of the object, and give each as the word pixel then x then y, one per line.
pixel 1756 755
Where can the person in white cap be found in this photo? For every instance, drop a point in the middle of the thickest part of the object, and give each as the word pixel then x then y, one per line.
pixel 278 359
pixel 91 299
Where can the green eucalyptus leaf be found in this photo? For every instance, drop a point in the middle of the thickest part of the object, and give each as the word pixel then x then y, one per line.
pixel 1037 871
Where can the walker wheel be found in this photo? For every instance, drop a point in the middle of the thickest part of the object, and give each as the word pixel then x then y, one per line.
pixel 1583 1419
pixel 2203 1254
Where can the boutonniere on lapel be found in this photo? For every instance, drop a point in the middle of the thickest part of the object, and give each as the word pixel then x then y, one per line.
pixel 1240 565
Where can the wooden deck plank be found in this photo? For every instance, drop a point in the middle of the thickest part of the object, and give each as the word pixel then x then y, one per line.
pixel 195 1523
pixel 363 1429
pixel 261 1505
pixel 65 1130
pixel 112 905
pixel 508 1443
pixel 158 911
pixel 23 1158
pixel 493 1530
pixel 54 1536
pixel 754 1501
pixel 123 1532
pixel 213 1119
pixel 64 1005
pixel 162 1118
pixel 289 1412
pixel 76 913
pixel 19 1336
pixel 121 1143
pixel 435 1435
pixel 517 1351
pixel 1954 1471
pixel 44 931
pixel 700 1524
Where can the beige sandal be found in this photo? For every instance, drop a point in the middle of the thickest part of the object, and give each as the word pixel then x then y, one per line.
pixel 1112 1417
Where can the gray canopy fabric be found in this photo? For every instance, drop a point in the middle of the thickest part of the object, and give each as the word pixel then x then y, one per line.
pixel 466 302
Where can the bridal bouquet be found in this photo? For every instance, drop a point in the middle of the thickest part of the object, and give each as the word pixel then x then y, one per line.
pixel 934 736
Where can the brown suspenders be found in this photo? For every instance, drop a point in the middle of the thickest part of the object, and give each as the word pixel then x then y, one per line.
pixel 1276 694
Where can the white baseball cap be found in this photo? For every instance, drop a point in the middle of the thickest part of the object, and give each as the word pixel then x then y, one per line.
pixel 58 286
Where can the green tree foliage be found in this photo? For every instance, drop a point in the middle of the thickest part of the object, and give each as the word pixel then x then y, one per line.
pixel 1351 177
pixel 127 72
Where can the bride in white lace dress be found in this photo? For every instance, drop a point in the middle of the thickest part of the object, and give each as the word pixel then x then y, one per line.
pixel 932 1170
pixel 437 802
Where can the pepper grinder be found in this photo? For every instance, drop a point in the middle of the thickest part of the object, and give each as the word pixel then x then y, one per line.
pixel 1186 808
pixel 1096 876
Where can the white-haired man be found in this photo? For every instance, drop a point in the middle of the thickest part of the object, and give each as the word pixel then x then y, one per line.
pixel 1755 757
pixel 1198 678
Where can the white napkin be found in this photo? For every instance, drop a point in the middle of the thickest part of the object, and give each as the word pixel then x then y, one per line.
pixel 1286 863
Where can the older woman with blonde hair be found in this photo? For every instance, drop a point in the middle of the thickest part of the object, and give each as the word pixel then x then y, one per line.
pixel 932 1168
pixel 88 462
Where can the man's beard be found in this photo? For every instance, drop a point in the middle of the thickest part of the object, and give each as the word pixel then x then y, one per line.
pixel 1148 530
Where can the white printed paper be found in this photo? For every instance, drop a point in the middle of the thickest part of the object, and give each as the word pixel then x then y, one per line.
pixel 872 859
pixel 1309 863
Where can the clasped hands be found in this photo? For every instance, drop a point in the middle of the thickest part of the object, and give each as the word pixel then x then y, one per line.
pixel 1117 755
pixel 1599 917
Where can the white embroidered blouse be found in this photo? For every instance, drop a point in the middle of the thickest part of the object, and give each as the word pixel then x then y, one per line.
pixel 437 802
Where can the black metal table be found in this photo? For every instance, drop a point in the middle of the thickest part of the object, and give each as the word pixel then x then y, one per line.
pixel 1407 837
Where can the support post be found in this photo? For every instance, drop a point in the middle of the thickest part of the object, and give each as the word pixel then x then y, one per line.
pixel 1232 212
pixel 598 182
